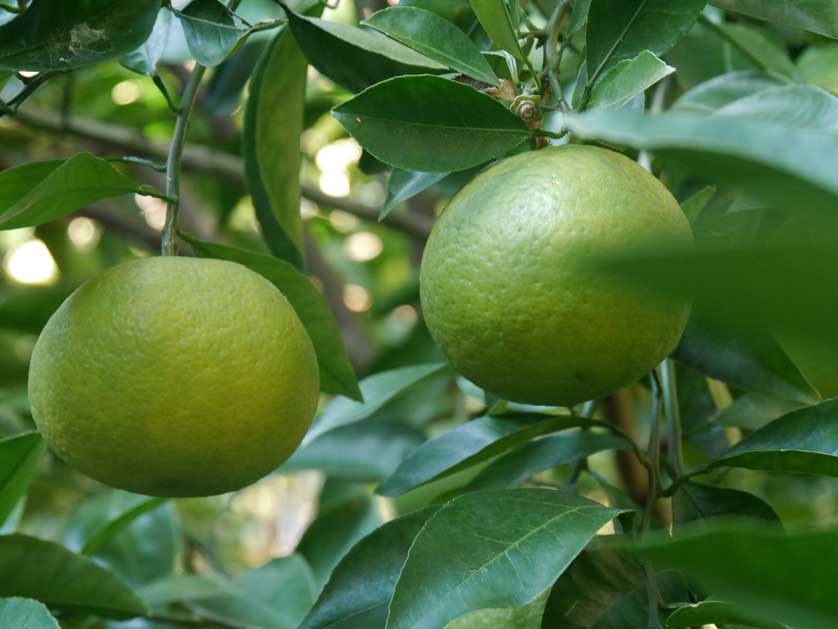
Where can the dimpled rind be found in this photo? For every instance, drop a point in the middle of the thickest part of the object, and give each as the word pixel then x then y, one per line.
pixel 501 289
pixel 174 377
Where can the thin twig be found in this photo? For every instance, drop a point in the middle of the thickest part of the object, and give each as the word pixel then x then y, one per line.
pixel 168 244
pixel 209 161
pixel 673 415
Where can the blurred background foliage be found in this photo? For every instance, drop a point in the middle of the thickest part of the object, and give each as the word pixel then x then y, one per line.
pixel 322 501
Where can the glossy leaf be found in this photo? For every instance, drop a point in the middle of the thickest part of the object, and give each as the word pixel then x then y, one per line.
pixel 40 192
pixel 135 536
pixel 773 57
pixel 626 80
pixel 491 549
pixel 336 374
pixel 474 441
pixel 25 614
pixel 405 184
pixel 751 359
pixel 775 162
pixel 579 16
pixel 734 563
pixel 695 205
pixel 352 57
pixel 754 410
pixel 60 35
pixel 722 90
pixel 606 589
pixel 334 532
pixel 276 595
pixel 805 441
pixel 495 19
pixel 362 584
pixel 514 468
pixel 524 617
pixel 428 123
pixel 622 29
pixel 211 32
pixel 818 16
pixel 19 456
pixel 144 58
pixel 696 501
pixel 818 65
pixel 272 154
pixel 179 588
pixel 436 38
pixel 377 390
pixel 58 578
pixel 716 612
pixel 360 451
pixel 799 106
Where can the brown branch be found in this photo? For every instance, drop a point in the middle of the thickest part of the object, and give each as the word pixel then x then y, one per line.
pixel 204 159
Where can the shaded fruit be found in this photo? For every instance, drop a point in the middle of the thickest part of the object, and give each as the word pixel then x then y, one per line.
pixel 508 294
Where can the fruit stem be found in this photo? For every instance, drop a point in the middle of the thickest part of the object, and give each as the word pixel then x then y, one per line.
pixel 672 413
pixel 173 163
pixel 653 455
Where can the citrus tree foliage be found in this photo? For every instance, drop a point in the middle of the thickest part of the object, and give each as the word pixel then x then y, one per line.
pixel 703 494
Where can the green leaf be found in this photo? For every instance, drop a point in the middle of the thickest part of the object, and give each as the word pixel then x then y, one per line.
pixel 819 65
pixel 334 532
pixel 495 20
pixel 475 441
pixel 716 612
pixel 113 526
pixel 211 32
pixel 695 205
pixel 40 192
pixel 491 549
pixel 50 573
pixel 622 29
pixel 377 390
pixel 751 359
pixel 428 123
pixel 19 456
pixel 375 562
pixel 722 90
pixel 145 58
pixel 770 55
pixel 352 57
pixel 524 617
pixel 276 595
pixel 578 17
pixel 436 38
pixel 754 410
pixel 781 164
pixel 405 184
pixel 695 501
pixel 25 614
pixel 336 374
pixel 818 16
pixel 366 451
pixel 177 588
pixel 515 467
pixel 626 80
pixel 606 589
pixel 110 529
pixel 798 106
pixel 751 566
pixel 805 441
pixel 456 11
pixel 271 151
pixel 60 35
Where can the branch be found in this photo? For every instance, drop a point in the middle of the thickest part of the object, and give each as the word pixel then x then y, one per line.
pixel 206 160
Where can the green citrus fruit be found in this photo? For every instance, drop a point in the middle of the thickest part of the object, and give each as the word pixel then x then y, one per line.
pixel 174 377
pixel 504 293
